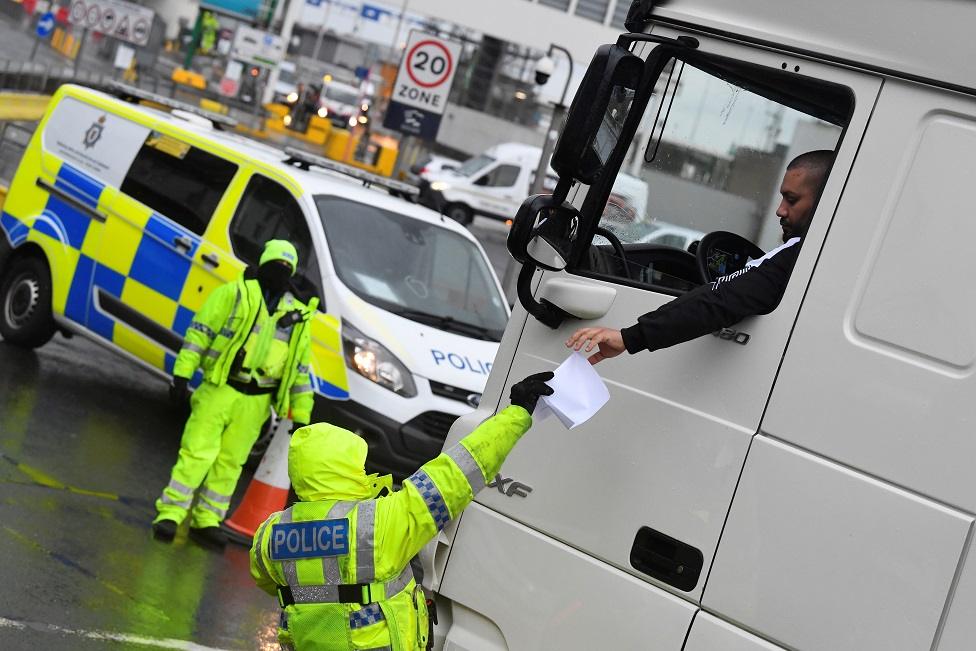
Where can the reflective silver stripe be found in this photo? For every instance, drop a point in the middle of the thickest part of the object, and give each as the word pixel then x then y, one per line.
pixel 256 329
pixel 203 504
pixel 200 327
pixel 214 496
pixel 288 568
pixel 259 536
pixel 237 304
pixel 266 382
pixel 303 368
pixel 193 348
pixel 181 487
pixel 212 354
pixel 315 594
pixel 330 564
pixel 326 594
pixel 432 497
pixel 366 616
pixel 226 332
pixel 282 335
pixel 365 525
pixel 395 586
pixel 472 472
pixel 301 388
pixel 166 499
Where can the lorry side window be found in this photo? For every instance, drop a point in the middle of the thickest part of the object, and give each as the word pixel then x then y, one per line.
pixel 715 163
pixel 267 211
pixel 503 176
pixel 177 180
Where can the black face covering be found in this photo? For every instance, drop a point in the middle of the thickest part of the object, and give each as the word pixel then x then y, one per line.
pixel 273 277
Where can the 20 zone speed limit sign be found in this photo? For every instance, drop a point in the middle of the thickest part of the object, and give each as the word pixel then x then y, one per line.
pixel 422 85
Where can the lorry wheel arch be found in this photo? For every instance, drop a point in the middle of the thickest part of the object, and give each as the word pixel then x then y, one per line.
pixel 25 299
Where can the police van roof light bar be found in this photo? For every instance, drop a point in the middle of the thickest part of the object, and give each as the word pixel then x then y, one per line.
pixel 304 160
pixel 131 93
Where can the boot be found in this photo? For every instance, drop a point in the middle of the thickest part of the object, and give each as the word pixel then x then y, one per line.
pixel 211 537
pixel 164 530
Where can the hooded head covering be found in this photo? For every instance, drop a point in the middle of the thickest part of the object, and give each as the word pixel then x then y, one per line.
pixel 280 250
pixel 326 462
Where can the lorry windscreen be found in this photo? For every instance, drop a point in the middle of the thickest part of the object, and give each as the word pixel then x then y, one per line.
pixel 421 271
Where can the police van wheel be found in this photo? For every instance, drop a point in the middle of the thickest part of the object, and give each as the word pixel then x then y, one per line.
pixel 459 213
pixel 25 304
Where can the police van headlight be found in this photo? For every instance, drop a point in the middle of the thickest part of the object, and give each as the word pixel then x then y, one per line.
pixel 439 186
pixel 374 362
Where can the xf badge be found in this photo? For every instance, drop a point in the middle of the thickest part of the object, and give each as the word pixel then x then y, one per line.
pixel 509 487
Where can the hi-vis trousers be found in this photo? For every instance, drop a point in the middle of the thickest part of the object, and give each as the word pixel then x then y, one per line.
pixel 218 436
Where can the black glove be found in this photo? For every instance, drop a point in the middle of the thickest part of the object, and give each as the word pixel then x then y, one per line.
pixel 179 390
pixel 526 393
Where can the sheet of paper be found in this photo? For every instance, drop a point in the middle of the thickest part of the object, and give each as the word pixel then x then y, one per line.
pixel 578 393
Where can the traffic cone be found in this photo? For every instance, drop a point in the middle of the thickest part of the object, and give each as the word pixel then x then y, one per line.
pixel 267 492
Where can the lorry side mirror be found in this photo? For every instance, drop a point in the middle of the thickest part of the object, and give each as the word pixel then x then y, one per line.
pixel 598 112
pixel 543 232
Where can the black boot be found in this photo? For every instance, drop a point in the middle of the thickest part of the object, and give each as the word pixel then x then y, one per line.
pixel 164 530
pixel 211 537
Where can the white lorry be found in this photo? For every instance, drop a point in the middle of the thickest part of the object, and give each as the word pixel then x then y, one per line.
pixel 801 481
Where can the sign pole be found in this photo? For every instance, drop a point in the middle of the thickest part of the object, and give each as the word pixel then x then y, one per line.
pixel 81 48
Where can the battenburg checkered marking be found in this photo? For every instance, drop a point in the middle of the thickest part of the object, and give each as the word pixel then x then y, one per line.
pixel 366 616
pixel 432 497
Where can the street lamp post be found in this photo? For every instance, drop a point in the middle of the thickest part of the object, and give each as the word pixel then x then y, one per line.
pixel 558 111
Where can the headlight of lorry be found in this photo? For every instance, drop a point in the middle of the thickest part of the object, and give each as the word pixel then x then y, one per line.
pixel 439 186
pixel 374 362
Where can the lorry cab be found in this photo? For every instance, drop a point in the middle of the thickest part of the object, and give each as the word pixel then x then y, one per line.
pixel 803 479
pixel 127 210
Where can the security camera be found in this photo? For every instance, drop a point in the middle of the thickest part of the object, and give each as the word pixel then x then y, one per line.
pixel 543 70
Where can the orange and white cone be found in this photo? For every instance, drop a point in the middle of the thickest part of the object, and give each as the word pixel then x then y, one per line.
pixel 267 492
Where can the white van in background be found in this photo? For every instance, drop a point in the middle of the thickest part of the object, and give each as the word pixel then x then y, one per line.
pixel 493 184
pixel 804 479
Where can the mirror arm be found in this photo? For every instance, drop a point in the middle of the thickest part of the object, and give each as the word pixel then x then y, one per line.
pixel 544 312
pixel 628 39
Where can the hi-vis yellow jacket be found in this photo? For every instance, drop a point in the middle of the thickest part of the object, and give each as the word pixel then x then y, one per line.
pixel 232 315
pixel 339 560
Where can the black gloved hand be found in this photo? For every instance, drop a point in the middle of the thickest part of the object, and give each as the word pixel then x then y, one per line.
pixel 526 393
pixel 179 390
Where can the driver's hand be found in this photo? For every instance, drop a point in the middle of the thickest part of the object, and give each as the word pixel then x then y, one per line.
pixel 609 342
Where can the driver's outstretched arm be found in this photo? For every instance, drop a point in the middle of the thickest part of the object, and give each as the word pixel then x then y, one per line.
pixel 714 306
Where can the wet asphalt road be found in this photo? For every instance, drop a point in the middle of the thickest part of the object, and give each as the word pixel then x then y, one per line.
pixel 87 440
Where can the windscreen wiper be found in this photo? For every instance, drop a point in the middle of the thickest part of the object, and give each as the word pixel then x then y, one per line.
pixel 447 323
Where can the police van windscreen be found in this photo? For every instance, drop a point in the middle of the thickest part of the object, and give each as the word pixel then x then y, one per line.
pixel 418 270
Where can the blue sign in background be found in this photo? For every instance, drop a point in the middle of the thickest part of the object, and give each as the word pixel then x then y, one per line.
pixel 412 121
pixel 45 24
pixel 248 8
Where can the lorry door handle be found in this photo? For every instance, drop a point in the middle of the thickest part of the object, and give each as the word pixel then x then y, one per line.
pixel 211 259
pixel 666 559
pixel 582 299
pixel 183 242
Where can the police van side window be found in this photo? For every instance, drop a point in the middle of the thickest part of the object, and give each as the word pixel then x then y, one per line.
pixel 267 211
pixel 177 180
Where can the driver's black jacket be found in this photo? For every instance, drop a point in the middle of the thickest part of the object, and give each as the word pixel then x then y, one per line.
pixel 713 306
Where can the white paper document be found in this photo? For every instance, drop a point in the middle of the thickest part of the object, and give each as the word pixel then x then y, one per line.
pixel 578 392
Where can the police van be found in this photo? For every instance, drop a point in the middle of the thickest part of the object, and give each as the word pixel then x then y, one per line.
pixel 804 480
pixel 128 209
